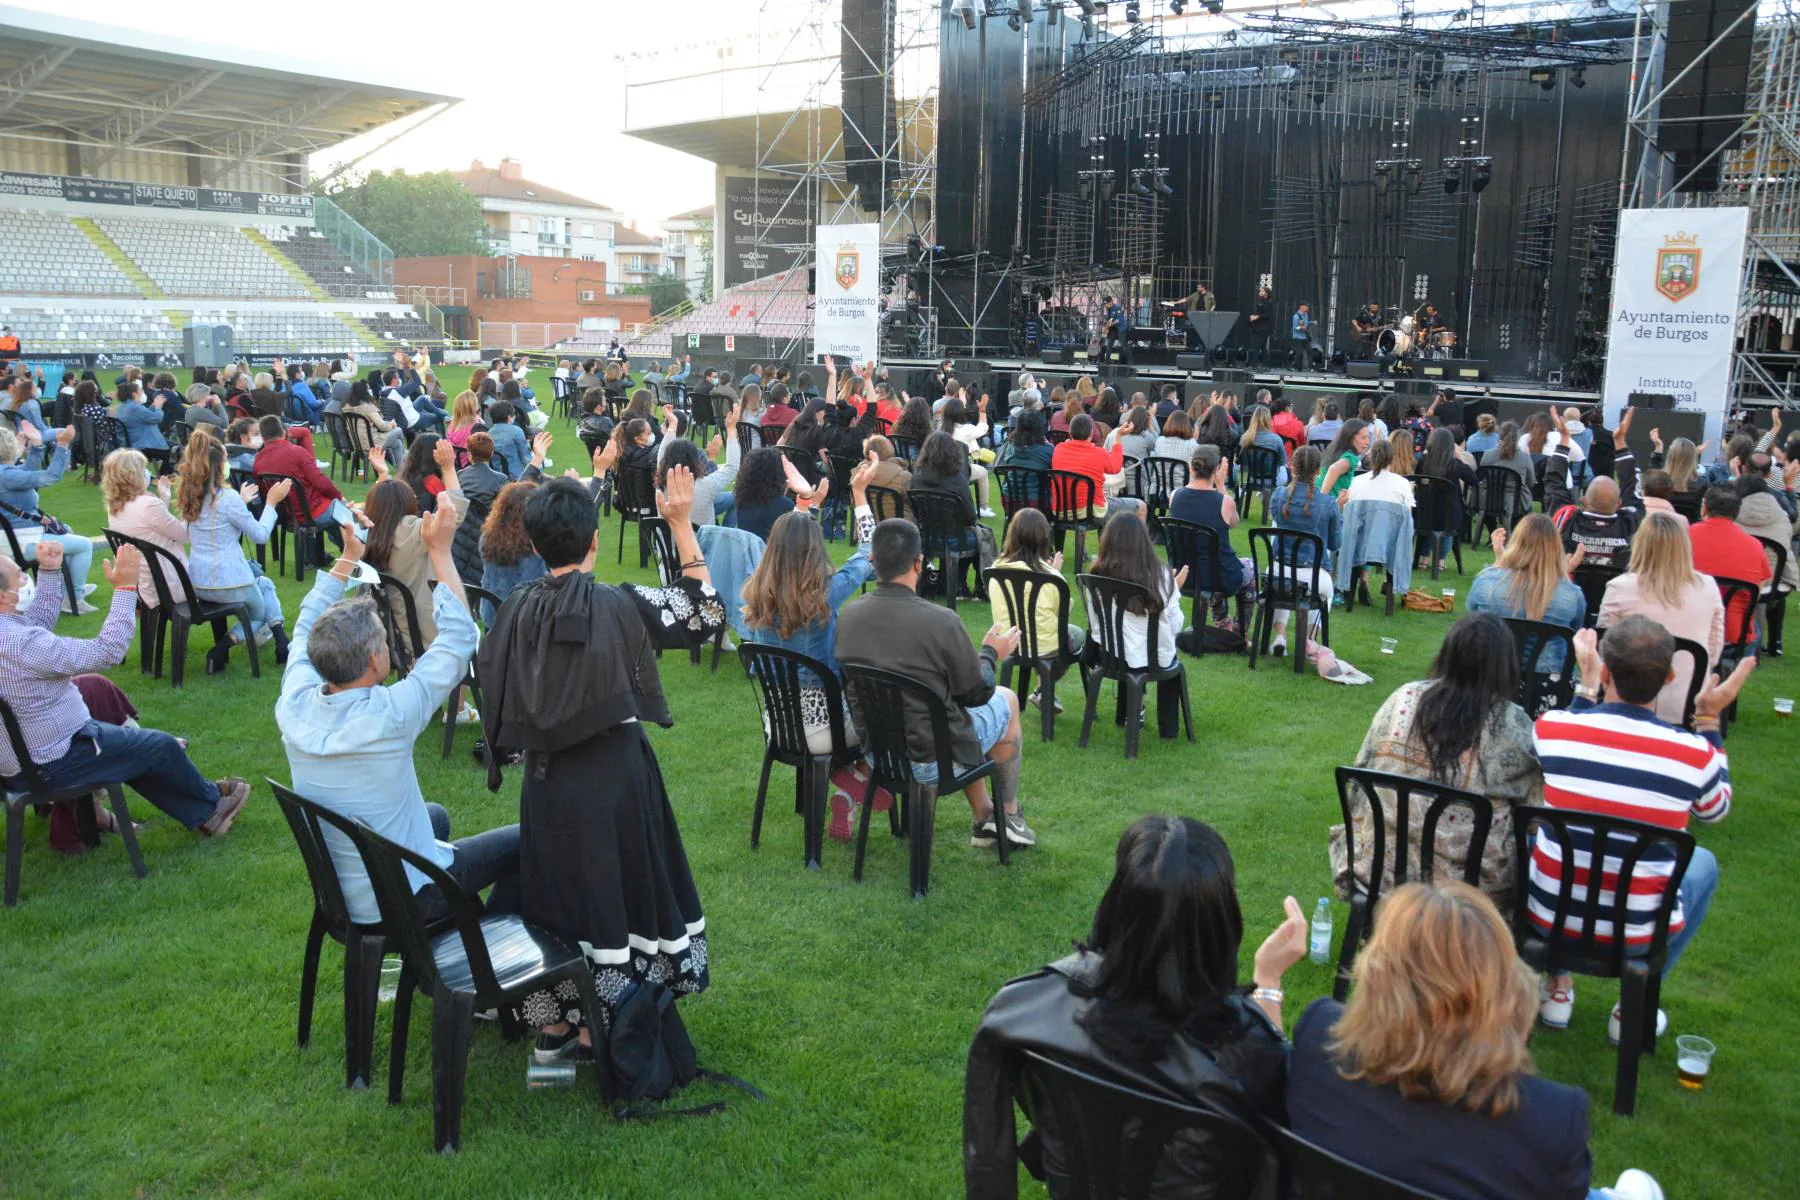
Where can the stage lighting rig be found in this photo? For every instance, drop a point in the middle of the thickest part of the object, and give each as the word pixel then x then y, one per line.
pixel 1412 177
pixel 1544 77
pixel 1483 173
pixel 1133 13
pixel 1215 7
pixel 1138 186
pixel 1177 7
pixel 966 10
pixel 1452 175
pixel 1384 171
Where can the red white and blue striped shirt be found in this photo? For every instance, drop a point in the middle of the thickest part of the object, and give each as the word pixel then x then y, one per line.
pixel 1620 760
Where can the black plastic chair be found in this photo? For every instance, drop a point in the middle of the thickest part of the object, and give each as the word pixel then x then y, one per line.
pixel 1020 590
pixel 179 608
pixel 1158 480
pixel 1556 950
pixel 407 646
pixel 635 501
pixel 36 791
pixel 1258 469
pixel 1776 598
pixel 1022 488
pixel 1355 785
pixel 1072 500
pixel 1107 600
pixel 1314 1173
pixel 1542 689
pixel 944 537
pixel 1592 579
pixel 1501 491
pixel 1114 1137
pixel 778 676
pixel 905 449
pixel 747 439
pixel 887 703
pixel 364 945
pixel 479 961
pixel 294 519
pixel 1285 584
pixel 17 553
pixel 668 568
pixel 1436 507
pixel 360 435
pixel 885 503
pixel 771 435
pixel 1197 548
pixel 1743 596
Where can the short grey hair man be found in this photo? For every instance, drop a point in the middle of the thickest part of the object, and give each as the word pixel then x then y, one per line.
pixel 347 640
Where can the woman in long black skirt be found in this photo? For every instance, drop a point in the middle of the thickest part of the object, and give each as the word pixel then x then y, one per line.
pixel 569 673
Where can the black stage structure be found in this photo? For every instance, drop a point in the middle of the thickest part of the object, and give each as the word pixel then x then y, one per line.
pixel 1474 164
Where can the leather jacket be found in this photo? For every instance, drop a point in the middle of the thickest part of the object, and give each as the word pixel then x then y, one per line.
pixel 1242 1076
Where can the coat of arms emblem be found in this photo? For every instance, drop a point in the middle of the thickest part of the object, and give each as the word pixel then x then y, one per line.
pixel 849 267
pixel 1678 266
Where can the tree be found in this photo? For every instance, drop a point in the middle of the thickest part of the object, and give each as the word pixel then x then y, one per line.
pixel 415 215
pixel 665 290
pixel 703 246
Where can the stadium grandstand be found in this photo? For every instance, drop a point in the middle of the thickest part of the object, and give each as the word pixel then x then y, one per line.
pixel 149 184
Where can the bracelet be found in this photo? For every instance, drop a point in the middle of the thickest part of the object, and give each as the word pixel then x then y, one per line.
pixel 1272 995
pixel 692 563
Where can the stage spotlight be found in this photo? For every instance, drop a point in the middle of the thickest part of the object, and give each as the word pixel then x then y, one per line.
pixel 1215 7
pixel 1086 7
pixel 1483 174
pixel 1382 178
pixel 1012 22
pixel 1578 77
pixel 1544 77
pixel 966 10
pixel 1452 176
pixel 1163 188
pixel 1413 180
pixel 1133 13
pixel 1177 7
pixel 1025 11
pixel 1138 186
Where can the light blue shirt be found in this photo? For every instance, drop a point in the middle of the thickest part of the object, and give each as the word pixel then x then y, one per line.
pixel 1302 325
pixel 19 483
pixel 216 561
pixel 352 751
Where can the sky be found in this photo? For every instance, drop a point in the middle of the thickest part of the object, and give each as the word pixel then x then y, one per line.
pixel 543 81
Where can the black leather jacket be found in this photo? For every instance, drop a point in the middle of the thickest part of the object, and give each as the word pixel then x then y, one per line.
pixel 1243 1076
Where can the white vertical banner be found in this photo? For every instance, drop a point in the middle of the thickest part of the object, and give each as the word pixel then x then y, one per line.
pixel 847 292
pixel 1676 278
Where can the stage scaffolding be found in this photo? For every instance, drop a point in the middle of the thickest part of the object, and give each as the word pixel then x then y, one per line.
pixel 805 149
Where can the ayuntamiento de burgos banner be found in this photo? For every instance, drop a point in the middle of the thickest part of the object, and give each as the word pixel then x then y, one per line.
pixel 847 295
pixel 1676 278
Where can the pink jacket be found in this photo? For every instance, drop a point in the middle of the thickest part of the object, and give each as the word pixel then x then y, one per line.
pixel 1700 617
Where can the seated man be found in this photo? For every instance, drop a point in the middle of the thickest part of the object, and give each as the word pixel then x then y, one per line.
pixel 1608 515
pixel 1106 468
pixel 1611 755
pixel 282 455
pixel 510 443
pixel 1723 549
pixel 70 748
pixel 894 628
pixel 349 739
pixel 414 414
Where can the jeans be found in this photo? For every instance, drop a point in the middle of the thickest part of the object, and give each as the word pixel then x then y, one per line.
pixel 151 762
pixel 260 602
pixel 990 721
pixel 1696 892
pixel 78 552
pixel 486 859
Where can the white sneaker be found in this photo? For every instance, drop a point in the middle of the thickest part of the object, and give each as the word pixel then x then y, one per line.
pixel 1278 646
pixel 322 464
pixel 1614 1022
pixel 1555 1005
pixel 986 512
pixel 468 715
pixel 1636 1185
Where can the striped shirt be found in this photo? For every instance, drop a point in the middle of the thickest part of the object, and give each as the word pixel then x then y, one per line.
pixel 36 667
pixel 1620 760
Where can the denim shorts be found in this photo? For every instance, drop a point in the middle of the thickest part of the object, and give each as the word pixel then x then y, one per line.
pixel 991 720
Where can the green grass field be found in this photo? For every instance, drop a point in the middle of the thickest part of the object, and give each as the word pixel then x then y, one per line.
pixel 150 1048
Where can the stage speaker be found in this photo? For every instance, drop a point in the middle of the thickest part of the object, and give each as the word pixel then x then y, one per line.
pixel 1053 358
pixel 1190 362
pixel 1470 369
pixel 1701 112
pixel 865 72
pixel 1414 387
pixel 1360 369
pixel 1230 375
pixel 1652 400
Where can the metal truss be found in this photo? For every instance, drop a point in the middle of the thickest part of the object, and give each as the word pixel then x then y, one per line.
pixel 119 133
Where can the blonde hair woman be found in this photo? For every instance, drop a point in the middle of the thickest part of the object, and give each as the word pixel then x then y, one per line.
pixel 1662 585
pixel 1530 578
pixel 1401 441
pixel 216 517
pixel 133 510
pixel 1433 1043
pixel 465 416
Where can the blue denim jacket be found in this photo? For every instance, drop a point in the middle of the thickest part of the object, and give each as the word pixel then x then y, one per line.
pixel 19 482
pixel 1377 531
pixel 732 556
pixel 820 641
pixel 143 426
pixel 1490 594
pixel 1325 520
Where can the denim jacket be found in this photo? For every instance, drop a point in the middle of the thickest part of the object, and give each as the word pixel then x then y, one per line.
pixel 732 556
pixel 820 641
pixel 1377 531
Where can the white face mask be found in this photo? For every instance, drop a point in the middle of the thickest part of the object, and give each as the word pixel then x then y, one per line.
pixel 27 591
pixel 255 442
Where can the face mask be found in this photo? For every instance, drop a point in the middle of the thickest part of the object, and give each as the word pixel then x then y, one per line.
pixel 148 478
pixel 27 591
pixel 255 443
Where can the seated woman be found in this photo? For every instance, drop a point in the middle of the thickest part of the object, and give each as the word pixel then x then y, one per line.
pixel 943 467
pixel 1343 458
pixel 1530 580
pixel 1204 501
pixel 968 425
pixel 1151 999
pixel 1302 505
pixel 1127 553
pixel 1029 547
pixel 1459 726
pixel 21 475
pixel 217 517
pixel 792 600
pixel 1425 1075
pixel 1132 435
pixel 711 501
pixel 142 423
pixel 1662 585
pixel 388 434
pixel 507 560
pixel 1260 433
pixel 1486 435
pixel 465 418
pixel 1027 446
pixel 1177 439
pixel 1378 481
pixel 600 854
pixel 914 424
pixel 422 470
pixel 1509 452
pixel 22 401
pixel 133 510
pixel 242 441
pixel 1065 407
pixel 762 491
pixel 1442 461
pixel 395 546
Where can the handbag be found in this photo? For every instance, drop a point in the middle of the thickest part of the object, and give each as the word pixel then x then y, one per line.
pixel 40 518
pixel 648 1056
pixel 1422 601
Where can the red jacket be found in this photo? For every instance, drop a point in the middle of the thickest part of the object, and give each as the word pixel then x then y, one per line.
pixel 1289 429
pixel 1721 547
pixel 1085 458
pixel 290 458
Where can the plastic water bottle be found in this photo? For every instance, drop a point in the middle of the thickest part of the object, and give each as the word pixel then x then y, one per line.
pixel 1321 931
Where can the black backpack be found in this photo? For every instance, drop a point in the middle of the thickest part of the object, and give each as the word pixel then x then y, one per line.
pixel 648 1056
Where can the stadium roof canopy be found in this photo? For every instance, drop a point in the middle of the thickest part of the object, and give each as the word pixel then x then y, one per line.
pixel 105 89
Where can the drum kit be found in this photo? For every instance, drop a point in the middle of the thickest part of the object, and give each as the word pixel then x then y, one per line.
pixel 1402 335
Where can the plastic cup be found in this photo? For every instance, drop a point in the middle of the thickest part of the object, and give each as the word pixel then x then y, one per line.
pixel 1388 644
pixel 390 979
pixel 1450 597
pixel 1784 706
pixel 1693 1060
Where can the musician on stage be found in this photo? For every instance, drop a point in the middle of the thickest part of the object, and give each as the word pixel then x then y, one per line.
pixel 1429 321
pixel 1262 326
pixel 1199 298
pixel 1302 337
pixel 1112 323
pixel 1367 323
